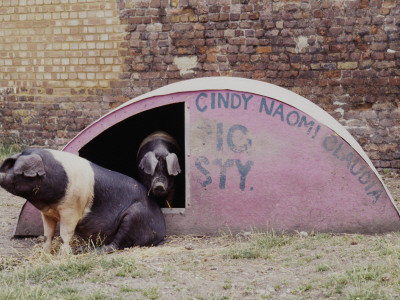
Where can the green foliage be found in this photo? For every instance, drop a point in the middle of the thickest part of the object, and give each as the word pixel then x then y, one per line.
pixel 368 294
pixel 258 245
pixel 362 282
pixel 151 293
pixel 227 285
pixel 298 267
pixel 99 296
pixel 322 268
pixel 40 280
pixel 17 292
pixel 10 147
pixel 60 273
pixel 129 268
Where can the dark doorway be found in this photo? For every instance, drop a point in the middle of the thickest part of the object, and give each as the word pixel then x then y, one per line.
pixel 116 148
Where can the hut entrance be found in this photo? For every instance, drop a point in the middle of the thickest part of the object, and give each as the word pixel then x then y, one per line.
pixel 116 148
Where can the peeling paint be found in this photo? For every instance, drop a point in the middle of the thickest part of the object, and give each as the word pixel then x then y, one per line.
pixel 301 43
pixel 339 109
pixel 185 64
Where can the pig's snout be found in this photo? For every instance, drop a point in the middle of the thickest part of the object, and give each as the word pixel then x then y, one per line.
pixel 160 186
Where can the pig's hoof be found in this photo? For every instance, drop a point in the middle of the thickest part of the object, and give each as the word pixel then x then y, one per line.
pixel 164 241
pixel 46 248
pixel 65 251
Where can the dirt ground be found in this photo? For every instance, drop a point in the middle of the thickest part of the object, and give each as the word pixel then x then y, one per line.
pixel 209 274
pixel 10 207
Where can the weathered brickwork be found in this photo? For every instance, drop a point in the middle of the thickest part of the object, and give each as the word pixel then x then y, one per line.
pixel 57 59
pixel 84 57
pixel 342 55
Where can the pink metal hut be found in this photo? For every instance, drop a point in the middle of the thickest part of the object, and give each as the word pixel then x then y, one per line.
pixel 256 156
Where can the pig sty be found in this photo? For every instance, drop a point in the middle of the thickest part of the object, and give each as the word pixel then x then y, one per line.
pixel 87 199
pixel 158 164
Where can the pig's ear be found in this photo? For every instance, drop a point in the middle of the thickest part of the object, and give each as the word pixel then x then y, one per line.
pixel 9 162
pixel 29 165
pixel 173 164
pixel 149 163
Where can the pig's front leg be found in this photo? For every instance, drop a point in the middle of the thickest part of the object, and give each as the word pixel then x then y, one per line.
pixel 49 228
pixel 69 218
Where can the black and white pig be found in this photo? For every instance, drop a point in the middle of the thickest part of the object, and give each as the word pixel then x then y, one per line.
pixel 85 198
pixel 158 164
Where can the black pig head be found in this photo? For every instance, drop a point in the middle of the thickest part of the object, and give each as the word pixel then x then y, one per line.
pixel 158 164
pixel 22 174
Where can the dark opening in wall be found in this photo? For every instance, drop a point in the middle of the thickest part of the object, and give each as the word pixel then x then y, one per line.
pixel 116 148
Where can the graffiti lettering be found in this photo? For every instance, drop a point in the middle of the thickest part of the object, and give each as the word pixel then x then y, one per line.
pixel 355 173
pixel 263 105
pixel 201 108
pixel 279 111
pixel 354 164
pixel 230 139
pixel 237 141
pixel 292 121
pixel 303 122
pixel 236 138
pixel 224 165
pixel 220 140
pixel 376 194
pixel 243 170
pixel 222 100
pixel 200 162
pixel 293 118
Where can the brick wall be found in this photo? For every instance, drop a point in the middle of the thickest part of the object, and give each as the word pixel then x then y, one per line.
pixel 57 59
pixel 84 57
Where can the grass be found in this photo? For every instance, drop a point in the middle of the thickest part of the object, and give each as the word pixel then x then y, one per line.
pixel 322 268
pixel 256 266
pixel 10 147
pixel 345 266
pixel 47 277
pixel 258 245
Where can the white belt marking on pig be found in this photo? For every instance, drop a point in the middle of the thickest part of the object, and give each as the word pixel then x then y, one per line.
pixel 80 189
